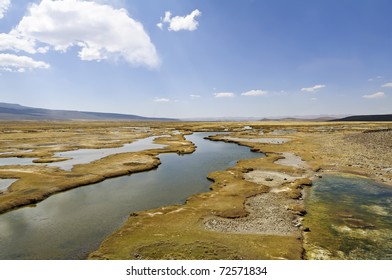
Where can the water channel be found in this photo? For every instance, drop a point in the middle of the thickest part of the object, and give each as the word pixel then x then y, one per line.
pixel 72 224
pixel 83 156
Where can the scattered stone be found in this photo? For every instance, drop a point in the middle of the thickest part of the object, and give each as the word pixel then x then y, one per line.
pixel 267 215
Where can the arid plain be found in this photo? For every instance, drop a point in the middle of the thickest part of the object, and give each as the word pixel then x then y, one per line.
pixel 255 209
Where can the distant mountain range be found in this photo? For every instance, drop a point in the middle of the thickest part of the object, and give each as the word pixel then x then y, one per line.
pixel 366 118
pixel 10 111
pixel 300 119
pixel 18 112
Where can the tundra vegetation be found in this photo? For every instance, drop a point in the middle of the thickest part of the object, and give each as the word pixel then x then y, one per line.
pixel 255 209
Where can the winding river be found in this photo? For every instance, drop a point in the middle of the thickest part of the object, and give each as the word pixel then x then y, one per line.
pixel 72 224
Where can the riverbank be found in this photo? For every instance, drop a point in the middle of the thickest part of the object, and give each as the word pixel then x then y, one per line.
pixel 254 209
pixel 36 182
pixel 244 209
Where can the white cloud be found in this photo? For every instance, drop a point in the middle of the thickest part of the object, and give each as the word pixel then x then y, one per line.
pixel 313 89
pixel 254 92
pixel 167 17
pixel 387 85
pixel 379 94
pixel 178 23
pixel 160 25
pixel 158 99
pixel 14 63
pixel 4 5
pixel 12 41
pixel 194 96
pixel 224 94
pixel 101 32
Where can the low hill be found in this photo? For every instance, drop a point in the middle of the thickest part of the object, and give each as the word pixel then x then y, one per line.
pixel 366 118
pixel 18 112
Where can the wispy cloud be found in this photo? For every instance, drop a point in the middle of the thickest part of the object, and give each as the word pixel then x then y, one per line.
pixel 379 94
pixel 313 88
pixel 14 42
pixel 160 25
pixel 254 92
pixel 375 78
pixel 224 94
pixel 178 23
pixel 4 5
pixel 15 63
pixel 194 96
pixel 387 85
pixel 161 99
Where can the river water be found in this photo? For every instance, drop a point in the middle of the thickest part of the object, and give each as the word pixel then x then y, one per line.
pixel 83 156
pixel 72 224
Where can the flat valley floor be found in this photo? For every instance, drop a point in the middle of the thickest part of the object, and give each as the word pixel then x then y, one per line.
pixel 255 209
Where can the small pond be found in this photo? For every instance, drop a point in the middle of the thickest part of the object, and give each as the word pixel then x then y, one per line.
pixel 349 218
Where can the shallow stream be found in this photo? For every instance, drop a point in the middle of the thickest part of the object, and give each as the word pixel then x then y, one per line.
pixel 72 224
pixel 83 156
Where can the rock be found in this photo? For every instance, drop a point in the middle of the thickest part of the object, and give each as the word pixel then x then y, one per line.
pixel 136 255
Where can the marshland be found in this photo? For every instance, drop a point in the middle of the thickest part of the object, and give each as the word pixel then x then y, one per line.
pixel 195 190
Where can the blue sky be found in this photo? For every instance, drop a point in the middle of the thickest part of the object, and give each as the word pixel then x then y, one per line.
pixel 205 58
